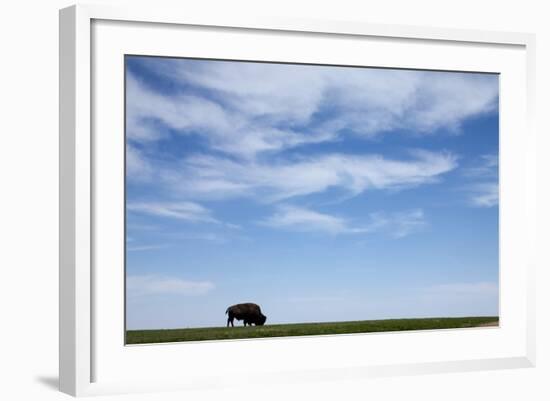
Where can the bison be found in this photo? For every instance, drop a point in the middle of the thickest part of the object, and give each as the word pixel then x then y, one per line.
pixel 249 312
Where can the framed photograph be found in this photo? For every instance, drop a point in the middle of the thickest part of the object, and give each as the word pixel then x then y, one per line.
pixel 290 200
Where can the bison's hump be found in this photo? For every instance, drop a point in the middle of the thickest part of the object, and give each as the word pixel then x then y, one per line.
pixel 244 308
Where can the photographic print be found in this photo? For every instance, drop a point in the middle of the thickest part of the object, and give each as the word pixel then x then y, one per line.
pixel 267 199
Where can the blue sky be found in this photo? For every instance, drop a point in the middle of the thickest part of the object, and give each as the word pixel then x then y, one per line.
pixel 321 193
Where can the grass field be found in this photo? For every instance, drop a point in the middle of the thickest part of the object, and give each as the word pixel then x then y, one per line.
pixel 305 329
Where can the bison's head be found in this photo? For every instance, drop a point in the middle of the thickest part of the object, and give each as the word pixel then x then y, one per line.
pixel 261 320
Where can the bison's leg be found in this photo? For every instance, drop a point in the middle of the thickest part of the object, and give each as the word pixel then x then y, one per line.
pixel 230 320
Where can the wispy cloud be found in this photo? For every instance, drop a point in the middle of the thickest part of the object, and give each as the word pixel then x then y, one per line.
pixel 138 167
pixel 402 224
pixel 224 128
pixel 245 109
pixel 485 167
pixel 210 237
pixel 153 284
pixel 215 177
pixel 484 194
pixel 301 219
pixel 484 190
pixel 295 218
pixel 189 211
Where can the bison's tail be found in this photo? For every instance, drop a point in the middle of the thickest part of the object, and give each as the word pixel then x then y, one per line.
pixel 227 311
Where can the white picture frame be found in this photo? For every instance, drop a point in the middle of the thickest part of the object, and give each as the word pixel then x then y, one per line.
pixel 86 332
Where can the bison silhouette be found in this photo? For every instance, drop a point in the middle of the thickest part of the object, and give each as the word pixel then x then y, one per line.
pixel 249 312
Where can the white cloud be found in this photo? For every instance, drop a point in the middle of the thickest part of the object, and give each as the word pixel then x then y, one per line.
pixel 484 194
pixel 189 211
pixel 484 191
pixel 380 98
pixel 405 223
pixel 246 110
pixel 301 219
pixel 253 89
pixel 253 108
pixel 215 177
pixel 207 236
pixel 137 167
pixel 486 167
pixel 153 284
pixel 224 128
pixel 179 112
pixel 295 218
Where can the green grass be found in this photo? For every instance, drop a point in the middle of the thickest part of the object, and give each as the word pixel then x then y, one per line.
pixel 304 329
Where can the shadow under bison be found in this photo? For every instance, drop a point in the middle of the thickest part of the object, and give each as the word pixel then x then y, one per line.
pixel 249 312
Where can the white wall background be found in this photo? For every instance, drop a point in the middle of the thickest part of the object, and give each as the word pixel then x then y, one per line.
pixel 29 185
